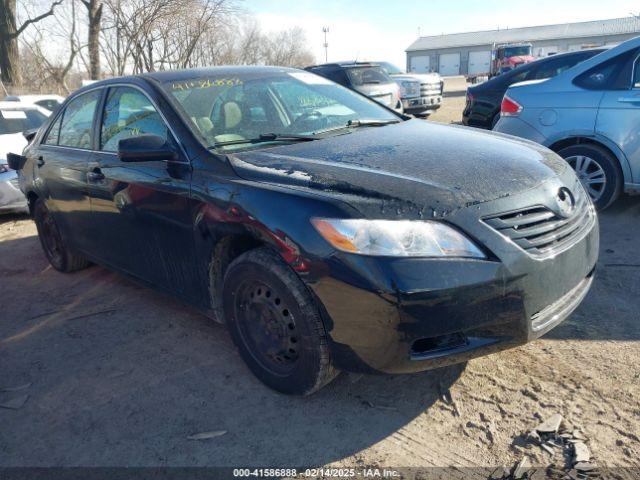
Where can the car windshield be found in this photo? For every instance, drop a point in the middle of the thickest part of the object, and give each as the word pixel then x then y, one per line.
pixel 391 69
pixel 17 121
pixel 367 76
pixel 517 51
pixel 237 108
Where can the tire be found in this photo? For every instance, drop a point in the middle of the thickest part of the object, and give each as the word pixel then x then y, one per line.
pixel 275 323
pixel 592 160
pixel 53 245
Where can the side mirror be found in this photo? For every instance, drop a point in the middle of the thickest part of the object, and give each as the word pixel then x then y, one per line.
pixel 29 135
pixel 15 161
pixel 145 148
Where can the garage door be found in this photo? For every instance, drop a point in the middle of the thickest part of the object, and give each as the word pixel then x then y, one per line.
pixel 479 62
pixel 449 64
pixel 420 64
pixel 545 51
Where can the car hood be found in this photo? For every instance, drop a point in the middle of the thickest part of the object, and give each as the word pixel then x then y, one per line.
pixel 12 143
pixel 405 78
pixel 421 77
pixel 415 168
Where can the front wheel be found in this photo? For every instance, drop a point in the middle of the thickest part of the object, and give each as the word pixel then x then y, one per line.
pixel 598 171
pixel 275 324
pixel 53 245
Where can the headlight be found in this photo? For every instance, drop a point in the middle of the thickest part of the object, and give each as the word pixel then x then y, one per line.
pixel 396 238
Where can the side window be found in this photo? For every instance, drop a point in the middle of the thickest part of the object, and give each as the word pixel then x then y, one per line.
pixel 77 121
pixel 54 132
pixel 636 73
pixel 128 113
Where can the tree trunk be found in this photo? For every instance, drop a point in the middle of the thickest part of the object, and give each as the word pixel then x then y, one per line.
pixel 94 8
pixel 9 53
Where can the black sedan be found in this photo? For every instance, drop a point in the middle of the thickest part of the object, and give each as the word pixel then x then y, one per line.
pixel 482 109
pixel 326 231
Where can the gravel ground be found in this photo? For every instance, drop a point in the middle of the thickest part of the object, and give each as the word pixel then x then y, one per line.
pixel 103 372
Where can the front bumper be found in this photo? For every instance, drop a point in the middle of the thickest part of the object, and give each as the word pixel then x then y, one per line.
pixel 11 198
pixel 396 315
pixel 421 104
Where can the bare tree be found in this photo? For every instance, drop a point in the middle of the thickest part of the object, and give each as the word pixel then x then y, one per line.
pixel 55 68
pixel 9 33
pixel 94 16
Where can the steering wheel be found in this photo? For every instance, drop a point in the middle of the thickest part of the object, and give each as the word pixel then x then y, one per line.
pixel 305 117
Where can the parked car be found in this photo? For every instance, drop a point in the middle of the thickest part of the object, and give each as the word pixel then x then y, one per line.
pixel 421 93
pixel 590 115
pixel 483 100
pixel 370 79
pixel 15 118
pixel 327 232
pixel 48 102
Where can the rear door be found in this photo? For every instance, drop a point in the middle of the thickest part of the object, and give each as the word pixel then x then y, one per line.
pixel 619 114
pixel 61 168
pixel 141 210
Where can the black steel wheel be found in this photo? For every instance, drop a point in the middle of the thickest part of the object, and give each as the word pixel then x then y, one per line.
pixel 267 326
pixel 275 323
pixel 53 245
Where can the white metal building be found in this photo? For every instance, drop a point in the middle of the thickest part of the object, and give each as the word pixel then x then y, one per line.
pixel 469 53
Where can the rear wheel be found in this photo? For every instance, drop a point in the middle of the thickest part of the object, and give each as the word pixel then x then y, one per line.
pixel 53 245
pixel 276 324
pixel 598 171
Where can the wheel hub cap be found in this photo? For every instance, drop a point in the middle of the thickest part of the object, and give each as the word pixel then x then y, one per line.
pixel 591 175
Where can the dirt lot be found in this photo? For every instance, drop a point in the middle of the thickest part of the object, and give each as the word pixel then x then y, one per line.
pixel 117 374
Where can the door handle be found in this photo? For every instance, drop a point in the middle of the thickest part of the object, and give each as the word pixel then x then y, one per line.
pixel 95 175
pixel 635 99
pixel 40 161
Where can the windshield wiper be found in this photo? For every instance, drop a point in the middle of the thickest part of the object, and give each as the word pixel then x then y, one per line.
pixel 267 137
pixel 370 123
pixel 356 124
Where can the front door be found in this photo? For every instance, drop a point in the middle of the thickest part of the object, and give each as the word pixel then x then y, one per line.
pixel 619 118
pixel 141 209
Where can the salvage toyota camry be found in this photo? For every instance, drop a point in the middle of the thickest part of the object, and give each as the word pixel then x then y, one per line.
pixel 328 232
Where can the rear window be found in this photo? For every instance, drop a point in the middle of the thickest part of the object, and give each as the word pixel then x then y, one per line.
pixel 367 76
pixel 614 74
pixel 17 121
pixel 556 66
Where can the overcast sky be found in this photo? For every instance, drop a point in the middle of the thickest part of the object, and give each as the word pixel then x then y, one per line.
pixel 383 29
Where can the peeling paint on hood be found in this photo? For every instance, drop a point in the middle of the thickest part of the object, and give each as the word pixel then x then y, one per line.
pixel 414 166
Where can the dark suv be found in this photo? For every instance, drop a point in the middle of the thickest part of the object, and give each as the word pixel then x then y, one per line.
pixel 370 79
pixel 327 232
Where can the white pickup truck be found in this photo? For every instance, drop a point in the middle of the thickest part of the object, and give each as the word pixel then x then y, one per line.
pixel 421 93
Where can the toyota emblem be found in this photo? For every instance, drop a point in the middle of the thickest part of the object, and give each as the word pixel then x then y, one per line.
pixel 566 202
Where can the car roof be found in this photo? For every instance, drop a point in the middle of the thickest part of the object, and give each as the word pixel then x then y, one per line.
pixel 32 97
pixel 17 105
pixel 166 76
pixel 346 64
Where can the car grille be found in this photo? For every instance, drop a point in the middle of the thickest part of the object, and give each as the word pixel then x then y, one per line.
pixel 540 231
pixel 429 89
pixel 15 182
